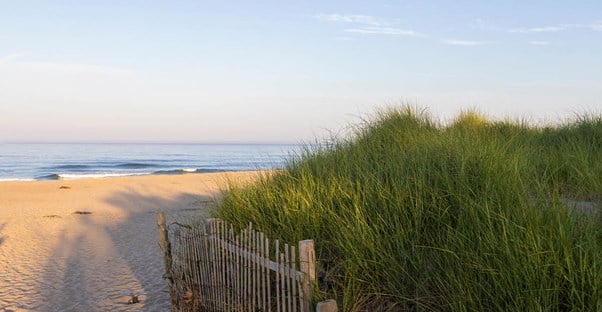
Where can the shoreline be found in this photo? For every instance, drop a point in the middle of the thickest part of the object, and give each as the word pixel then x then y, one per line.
pixel 89 244
pixel 78 177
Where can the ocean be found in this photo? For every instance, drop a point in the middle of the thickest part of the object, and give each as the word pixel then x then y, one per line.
pixel 77 161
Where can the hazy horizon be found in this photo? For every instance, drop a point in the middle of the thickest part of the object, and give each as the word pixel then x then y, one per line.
pixel 271 72
pixel 157 142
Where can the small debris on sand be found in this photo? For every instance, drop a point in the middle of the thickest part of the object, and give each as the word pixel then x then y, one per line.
pixel 52 216
pixel 188 296
pixel 63 187
pixel 82 212
pixel 133 300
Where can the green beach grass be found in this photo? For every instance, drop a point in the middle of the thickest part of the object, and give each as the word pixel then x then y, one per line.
pixel 474 215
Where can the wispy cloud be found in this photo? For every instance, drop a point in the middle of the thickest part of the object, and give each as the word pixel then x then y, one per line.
pixel 366 24
pixel 467 43
pixel 557 28
pixel 357 19
pixel 384 31
pixel 546 29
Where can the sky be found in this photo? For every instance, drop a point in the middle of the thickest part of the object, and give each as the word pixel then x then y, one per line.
pixel 285 71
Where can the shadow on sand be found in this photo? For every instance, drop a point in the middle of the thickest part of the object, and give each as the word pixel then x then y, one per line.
pixel 106 262
pixel 138 245
pixel 2 226
pixel 66 290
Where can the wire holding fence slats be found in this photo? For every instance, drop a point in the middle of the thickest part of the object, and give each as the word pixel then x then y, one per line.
pixel 213 268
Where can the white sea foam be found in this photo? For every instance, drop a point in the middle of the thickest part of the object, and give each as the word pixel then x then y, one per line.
pixel 14 180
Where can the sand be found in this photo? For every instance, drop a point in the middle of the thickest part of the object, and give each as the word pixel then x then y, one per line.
pixel 52 259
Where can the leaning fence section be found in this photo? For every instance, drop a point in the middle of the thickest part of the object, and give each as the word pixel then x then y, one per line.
pixel 212 267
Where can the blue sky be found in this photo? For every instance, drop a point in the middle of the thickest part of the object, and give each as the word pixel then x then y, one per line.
pixel 285 71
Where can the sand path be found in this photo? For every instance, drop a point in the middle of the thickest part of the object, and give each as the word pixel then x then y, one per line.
pixel 54 260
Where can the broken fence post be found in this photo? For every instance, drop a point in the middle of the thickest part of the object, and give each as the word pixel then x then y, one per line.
pixel 327 306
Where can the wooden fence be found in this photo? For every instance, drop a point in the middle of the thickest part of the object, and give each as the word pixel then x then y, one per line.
pixel 209 267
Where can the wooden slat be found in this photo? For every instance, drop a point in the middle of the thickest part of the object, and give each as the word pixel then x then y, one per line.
pixel 283 282
pixel 253 272
pixel 192 299
pixel 226 274
pixel 248 269
pixel 257 273
pixel 215 272
pixel 189 280
pixel 267 277
pixel 222 266
pixel 203 289
pixel 245 273
pixel 287 262
pixel 293 268
pixel 278 282
pixel 196 260
pixel 216 276
pixel 302 302
pixel 238 277
pixel 264 286
pixel 232 272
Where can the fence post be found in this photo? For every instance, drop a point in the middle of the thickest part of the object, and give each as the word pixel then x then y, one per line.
pixel 327 306
pixel 211 225
pixel 166 249
pixel 216 292
pixel 307 261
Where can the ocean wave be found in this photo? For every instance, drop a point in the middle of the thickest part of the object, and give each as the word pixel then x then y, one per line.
pixel 97 175
pixel 134 165
pixel 52 176
pixel 187 170
pixel 76 176
pixel 71 167
pixel 79 167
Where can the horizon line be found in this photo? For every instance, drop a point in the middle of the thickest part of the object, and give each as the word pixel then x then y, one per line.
pixel 159 142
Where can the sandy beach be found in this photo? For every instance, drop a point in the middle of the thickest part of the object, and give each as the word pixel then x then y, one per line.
pixel 54 259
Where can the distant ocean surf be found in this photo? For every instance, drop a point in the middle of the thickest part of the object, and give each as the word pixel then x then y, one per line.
pixel 79 161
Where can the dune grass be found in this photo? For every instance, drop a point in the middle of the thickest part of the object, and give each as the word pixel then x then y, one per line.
pixel 475 215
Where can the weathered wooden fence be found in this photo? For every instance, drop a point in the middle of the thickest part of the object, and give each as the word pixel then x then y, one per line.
pixel 209 267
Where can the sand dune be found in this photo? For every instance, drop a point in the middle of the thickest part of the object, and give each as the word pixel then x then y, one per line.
pixel 52 259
